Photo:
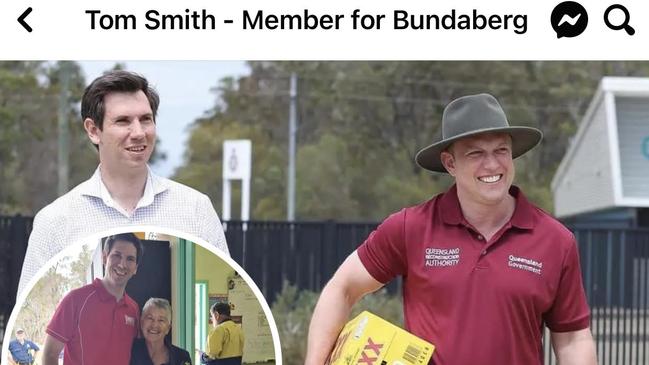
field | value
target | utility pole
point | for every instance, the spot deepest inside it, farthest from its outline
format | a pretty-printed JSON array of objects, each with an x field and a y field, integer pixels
[
  {"x": 292, "y": 131},
  {"x": 63, "y": 133}
]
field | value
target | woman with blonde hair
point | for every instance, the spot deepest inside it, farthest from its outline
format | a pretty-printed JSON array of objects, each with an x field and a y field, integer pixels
[{"x": 154, "y": 348}]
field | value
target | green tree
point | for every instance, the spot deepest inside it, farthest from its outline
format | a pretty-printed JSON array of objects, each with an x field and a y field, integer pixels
[
  {"x": 41, "y": 303},
  {"x": 66, "y": 274},
  {"x": 29, "y": 93},
  {"x": 361, "y": 123},
  {"x": 205, "y": 156},
  {"x": 29, "y": 101},
  {"x": 293, "y": 309}
]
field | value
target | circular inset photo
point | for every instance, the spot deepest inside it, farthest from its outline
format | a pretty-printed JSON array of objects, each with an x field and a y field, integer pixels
[{"x": 144, "y": 296}]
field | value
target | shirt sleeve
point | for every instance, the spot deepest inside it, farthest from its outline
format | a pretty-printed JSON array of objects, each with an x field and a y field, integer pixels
[
  {"x": 569, "y": 311},
  {"x": 12, "y": 349},
  {"x": 35, "y": 346},
  {"x": 35, "y": 257},
  {"x": 211, "y": 227},
  {"x": 64, "y": 321},
  {"x": 383, "y": 253}
]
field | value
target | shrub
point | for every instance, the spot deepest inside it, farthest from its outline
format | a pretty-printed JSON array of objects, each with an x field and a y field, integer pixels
[{"x": 293, "y": 309}]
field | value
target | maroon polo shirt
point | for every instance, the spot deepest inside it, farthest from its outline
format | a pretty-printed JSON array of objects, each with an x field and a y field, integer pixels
[
  {"x": 95, "y": 327},
  {"x": 480, "y": 302}
]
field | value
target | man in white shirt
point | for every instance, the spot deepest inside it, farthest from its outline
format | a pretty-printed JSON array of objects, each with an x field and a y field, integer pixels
[{"x": 118, "y": 111}]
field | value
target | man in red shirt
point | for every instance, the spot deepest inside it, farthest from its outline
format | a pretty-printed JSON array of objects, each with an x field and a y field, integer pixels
[
  {"x": 484, "y": 270},
  {"x": 98, "y": 322}
]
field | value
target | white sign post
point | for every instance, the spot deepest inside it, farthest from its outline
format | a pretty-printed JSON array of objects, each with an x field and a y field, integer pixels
[{"x": 237, "y": 165}]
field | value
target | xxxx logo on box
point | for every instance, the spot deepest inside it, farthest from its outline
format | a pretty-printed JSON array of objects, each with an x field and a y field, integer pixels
[
  {"x": 370, "y": 353},
  {"x": 370, "y": 340}
]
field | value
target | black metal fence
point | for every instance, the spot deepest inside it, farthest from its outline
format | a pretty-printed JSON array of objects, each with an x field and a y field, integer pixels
[
  {"x": 304, "y": 254},
  {"x": 14, "y": 232},
  {"x": 615, "y": 268}
]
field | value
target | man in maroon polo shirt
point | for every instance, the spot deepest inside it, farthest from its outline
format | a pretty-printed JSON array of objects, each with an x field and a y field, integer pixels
[
  {"x": 98, "y": 322},
  {"x": 483, "y": 269}
]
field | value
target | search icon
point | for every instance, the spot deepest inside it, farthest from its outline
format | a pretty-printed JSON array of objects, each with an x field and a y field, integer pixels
[{"x": 625, "y": 23}]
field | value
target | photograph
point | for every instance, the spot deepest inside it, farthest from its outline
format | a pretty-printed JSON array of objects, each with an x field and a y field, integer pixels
[
  {"x": 447, "y": 209},
  {"x": 141, "y": 298}
]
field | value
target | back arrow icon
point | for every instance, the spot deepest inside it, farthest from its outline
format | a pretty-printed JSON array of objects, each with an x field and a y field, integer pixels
[{"x": 21, "y": 19}]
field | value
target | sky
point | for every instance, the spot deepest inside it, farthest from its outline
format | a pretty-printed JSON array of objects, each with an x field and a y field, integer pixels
[{"x": 184, "y": 88}]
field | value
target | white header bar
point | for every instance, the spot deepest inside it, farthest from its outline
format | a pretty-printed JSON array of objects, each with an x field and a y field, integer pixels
[{"x": 332, "y": 30}]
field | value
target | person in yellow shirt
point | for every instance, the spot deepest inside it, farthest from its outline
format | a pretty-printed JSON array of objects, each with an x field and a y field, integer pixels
[{"x": 225, "y": 341}]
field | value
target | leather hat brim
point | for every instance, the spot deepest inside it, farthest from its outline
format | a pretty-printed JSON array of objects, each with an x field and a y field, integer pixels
[{"x": 523, "y": 140}]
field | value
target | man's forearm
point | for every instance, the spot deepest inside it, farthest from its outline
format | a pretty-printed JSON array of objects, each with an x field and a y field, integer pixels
[
  {"x": 575, "y": 348},
  {"x": 348, "y": 285},
  {"x": 49, "y": 359},
  {"x": 51, "y": 350},
  {"x": 329, "y": 317},
  {"x": 582, "y": 354}
]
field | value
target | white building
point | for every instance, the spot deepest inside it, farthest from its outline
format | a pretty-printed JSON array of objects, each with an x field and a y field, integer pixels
[{"x": 604, "y": 176}]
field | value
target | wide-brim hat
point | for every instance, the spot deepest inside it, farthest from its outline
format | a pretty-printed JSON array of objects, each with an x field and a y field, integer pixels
[{"x": 471, "y": 115}]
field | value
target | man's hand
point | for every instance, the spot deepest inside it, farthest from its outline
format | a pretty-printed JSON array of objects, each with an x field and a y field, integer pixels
[
  {"x": 34, "y": 355},
  {"x": 51, "y": 350},
  {"x": 348, "y": 285},
  {"x": 574, "y": 348}
]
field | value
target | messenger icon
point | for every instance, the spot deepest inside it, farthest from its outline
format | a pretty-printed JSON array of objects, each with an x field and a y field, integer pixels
[{"x": 569, "y": 19}]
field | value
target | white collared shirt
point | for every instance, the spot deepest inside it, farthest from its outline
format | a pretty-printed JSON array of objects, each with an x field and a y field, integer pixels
[
  {"x": 147, "y": 197},
  {"x": 89, "y": 208}
]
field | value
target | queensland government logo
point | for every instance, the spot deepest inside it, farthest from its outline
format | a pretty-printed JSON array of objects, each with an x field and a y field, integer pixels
[{"x": 522, "y": 263}]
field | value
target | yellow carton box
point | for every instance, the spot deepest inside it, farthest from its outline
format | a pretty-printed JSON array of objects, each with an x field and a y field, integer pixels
[{"x": 371, "y": 340}]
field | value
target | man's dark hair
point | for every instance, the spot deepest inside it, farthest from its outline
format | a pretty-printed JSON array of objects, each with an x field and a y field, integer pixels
[
  {"x": 222, "y": 308},
  {"x": 92, "y": 102},
  {"x": 126, "y": 237}
]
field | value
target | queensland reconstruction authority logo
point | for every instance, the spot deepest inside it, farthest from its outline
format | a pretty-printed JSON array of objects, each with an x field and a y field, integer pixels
[{"x": 442, "y": 257}]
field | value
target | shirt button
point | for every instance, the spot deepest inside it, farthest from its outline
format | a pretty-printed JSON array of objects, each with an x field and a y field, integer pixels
[
  {"x": 484, "y": 252},
  {"x": 480, "y": 238}
]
